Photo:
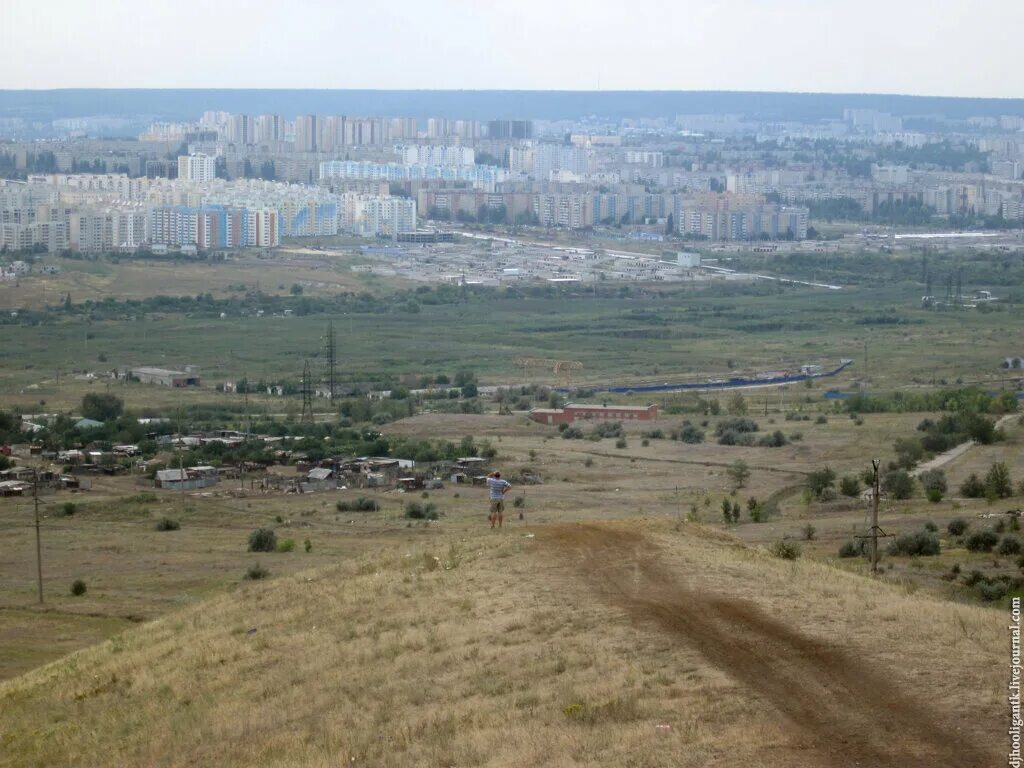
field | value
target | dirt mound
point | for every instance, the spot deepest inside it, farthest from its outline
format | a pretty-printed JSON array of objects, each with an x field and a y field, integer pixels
[{"x": 844, "y": 711}]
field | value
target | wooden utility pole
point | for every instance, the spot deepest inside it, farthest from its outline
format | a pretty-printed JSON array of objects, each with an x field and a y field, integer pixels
[
  {"x": 874, "y": 516},
  {"x": 39, "y": 545}
]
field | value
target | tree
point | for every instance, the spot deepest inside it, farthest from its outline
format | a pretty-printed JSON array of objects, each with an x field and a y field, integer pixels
[
  {"x": 739, "y": 473},
  {"x": 898, "y": 484},
  {"x": 737, "y": 405},
  {"x": 670, "y": 225},
  {"x": 934, "y": 483},
  {"x": 102, "y": 407},
  {"x": 821, "y": 480},
  {"x": 262, "y": 540},
  {"x": 849, "y": 486},
  {"x": 727, "y": 510},
  {"x": 997, "y": 481},
  {"x": 972, "y": 487}
]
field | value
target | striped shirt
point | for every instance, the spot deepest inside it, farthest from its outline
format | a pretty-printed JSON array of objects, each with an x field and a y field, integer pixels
[{"x": 496, "y": 487}]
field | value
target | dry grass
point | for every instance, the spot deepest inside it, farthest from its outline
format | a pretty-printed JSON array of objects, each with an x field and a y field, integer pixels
[{"x": 494, "y": 653}]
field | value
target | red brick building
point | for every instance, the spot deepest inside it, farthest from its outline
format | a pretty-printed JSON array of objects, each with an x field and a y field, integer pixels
[{"x": 581, "y": 411}]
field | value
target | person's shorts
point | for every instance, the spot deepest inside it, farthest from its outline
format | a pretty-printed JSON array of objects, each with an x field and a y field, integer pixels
[{"x": 497, "y": 507}]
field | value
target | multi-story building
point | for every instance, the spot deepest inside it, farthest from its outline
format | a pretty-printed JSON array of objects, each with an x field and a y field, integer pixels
[
  {"x": 372, "y": 216},
  {"x": 269, "y": 128},
  {"x": 306, "y": 133},
  {"x": 430, "y": 154},
  {"x": 548, "y": 158},
  {"x": 510, "y": 129},
  {"x": 197, "y": 167}
]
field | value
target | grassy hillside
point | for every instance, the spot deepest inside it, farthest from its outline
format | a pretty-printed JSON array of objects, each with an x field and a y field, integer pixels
[{"x": 648, "y": 643}]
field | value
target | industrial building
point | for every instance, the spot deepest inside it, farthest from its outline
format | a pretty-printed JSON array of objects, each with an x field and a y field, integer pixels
[
  {"x": 574, "y": 411},
  {"x": 165, "y": 377}
]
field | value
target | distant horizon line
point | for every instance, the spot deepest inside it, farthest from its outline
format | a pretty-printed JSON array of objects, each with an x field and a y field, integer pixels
[{"x": 207, "y": 89}]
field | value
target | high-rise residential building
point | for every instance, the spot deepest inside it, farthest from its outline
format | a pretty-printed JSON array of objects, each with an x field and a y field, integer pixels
[
  {"x": 241, "y": 129},
  {"x": 404, "y": 128},
  {"x": 269, "y": 128},
  {"x": 510, "y": 129},
  {"x": 196, "y": 167},
  {"x": 306, "y": 133},
  {"x": 558, "y": 157}
]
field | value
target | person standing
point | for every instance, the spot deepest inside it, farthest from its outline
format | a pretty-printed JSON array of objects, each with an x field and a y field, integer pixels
[{"x": 496, "y": 490}]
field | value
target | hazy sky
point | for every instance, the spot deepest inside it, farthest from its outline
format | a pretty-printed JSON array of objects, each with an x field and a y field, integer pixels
[{"x": 884, "y": 46}]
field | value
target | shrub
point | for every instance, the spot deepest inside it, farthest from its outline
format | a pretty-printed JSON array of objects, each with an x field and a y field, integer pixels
[
  {"x": 1010, "y": 545},
  {"x": 77, "y": 587},
  {"x": 607, "y": 429},
  {"x": 931, "y": 527},
  {"x": 588, "y": 462},
  {"x": 821, "y": 420},
  {"x": 654, "y": 434},
  {"x": 736, "y": 425},
  {"x": 286, "y": 545},
  {"x": 620, "y": 443},
  {"x": 775, "y": 440},
  {"x": 519, "y": 501},
  {"x": 990, "y": 591},
  {"x": 572, "y": 433},
  {"x": 920, "y": 543},
  {"x": 898, "y": 484},
  {"x": 167, "y": 524},
  {"x": 732, "y": 437},
  {"x": 308, "y": 545},
  {"x": 256, "y": 572},
  {"x": 262, "y": 540},
  {"x": 362, "y": 504},
  {"x": 972, "y": 487},
  {"x": 934, "y": 483},
  {"x": 849, "y": 486},
  {"x": 68, "y": 508},
  {"x": 852, "y": 548},
  {"x": 691, "y": 434},
  {"x": 808, "y": 532},
  {"x": 757, "y": 511},
  {"x": 819, "y": 480},
  {"x": 786, "y": 550},
  {"x": 417, "y": 511},
  {"x": 982, "y": 541},
  {"x": 957, "y": 526}
]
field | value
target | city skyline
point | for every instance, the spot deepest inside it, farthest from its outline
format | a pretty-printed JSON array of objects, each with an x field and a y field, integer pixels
[{"x": 873, "y": 48}]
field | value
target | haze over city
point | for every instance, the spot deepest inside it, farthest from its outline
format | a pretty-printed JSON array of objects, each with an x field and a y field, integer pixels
[{"x": 742, "y": 45}]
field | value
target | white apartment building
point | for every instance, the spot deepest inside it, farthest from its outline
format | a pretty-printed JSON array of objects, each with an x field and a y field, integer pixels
[
  {"x": 558, "y": 157},
  {"x": 370, "y": 215},
  {"x": 432, "y": 154},
  {"x": 196, "y": 167}
]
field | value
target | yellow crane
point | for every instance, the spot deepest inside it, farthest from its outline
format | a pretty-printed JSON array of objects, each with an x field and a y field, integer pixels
[{"x": 561, "y": 369}]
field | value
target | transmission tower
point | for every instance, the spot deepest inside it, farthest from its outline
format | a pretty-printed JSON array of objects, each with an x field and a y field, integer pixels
[
  {"x": 331, "y": 352},
  {"x": 307, "y": 395}
]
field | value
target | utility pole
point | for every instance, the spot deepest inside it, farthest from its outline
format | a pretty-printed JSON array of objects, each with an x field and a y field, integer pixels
[
  {"x": 332, "y": 362},
  {"x": 874, "y": 516},
  {"x": 39, "y": 545},
  {"x": 307, "y": 395}
]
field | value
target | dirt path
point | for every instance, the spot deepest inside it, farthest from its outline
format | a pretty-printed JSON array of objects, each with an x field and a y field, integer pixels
[
  {"x": 957, "y": 450},
  {"x": 844, "y": 711}
]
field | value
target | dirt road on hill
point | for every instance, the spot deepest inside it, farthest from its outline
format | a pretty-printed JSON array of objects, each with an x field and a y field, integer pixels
[{"x": 844, "y": 711}]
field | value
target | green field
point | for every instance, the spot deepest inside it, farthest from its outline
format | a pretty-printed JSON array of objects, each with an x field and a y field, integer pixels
[{"x": 668, "y": 333}]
